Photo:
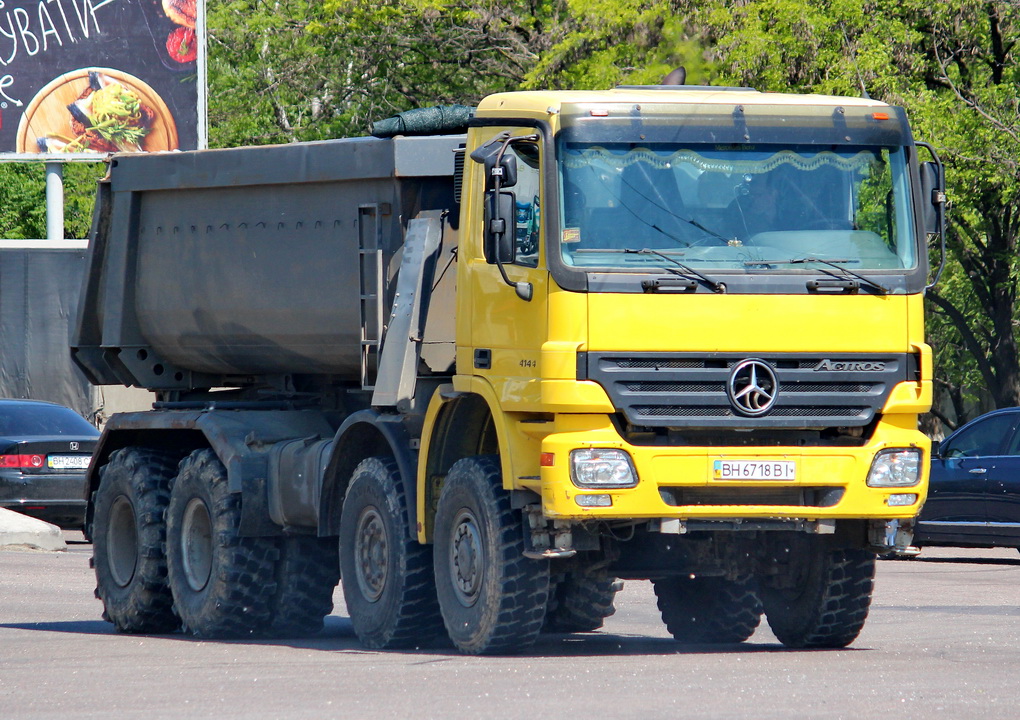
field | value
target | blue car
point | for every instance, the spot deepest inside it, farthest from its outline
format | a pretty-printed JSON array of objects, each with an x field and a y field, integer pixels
[
  {"x": 45, "y": 450},
  {"x": 974, "y": 496}
]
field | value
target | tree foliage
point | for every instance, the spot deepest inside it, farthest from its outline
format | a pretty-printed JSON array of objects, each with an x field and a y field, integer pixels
[
  {"x": 23, "y": 199},
  {"x": 299, "y": 69}
]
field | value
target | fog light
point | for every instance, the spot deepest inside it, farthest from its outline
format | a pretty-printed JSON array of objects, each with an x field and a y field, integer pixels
[
  {"x": 896, "y": 468},
  {"x": 601, "y": 468},
  {"x": 594, "y": 500},
  {"x": 900, "y": 499}
]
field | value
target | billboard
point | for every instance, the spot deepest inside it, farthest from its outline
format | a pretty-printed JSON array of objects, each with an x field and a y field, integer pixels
[{"x": 99, "y": 76}]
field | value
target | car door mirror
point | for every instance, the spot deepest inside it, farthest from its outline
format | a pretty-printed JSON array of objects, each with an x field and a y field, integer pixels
[{"x": 936, "y": 448}]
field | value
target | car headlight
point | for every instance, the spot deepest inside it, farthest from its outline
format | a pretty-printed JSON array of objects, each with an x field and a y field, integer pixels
[
  {"x": 896, "y": 468},
  {"x": 602, "y": 468}
]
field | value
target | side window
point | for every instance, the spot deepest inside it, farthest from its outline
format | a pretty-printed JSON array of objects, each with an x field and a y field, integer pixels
[
  {"x": 1013, "y": 447},
  {"x": 527, "y": 210},
  {"x": 981, "y": 439}
]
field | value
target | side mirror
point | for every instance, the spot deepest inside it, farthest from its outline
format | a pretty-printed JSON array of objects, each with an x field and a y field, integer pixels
[
  {"x": 506, "y": 171},
  {"x": 936, "y": 447},
  {"x": 488, "y": 154},
  {"x": 931, "y": 196},
  {"x": 499, "y": 227}
]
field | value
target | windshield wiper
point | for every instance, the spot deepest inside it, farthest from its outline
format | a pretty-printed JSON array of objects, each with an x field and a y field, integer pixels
[
  {"x": 847, "y": 272},
  {"x": 685, "y": 271}
]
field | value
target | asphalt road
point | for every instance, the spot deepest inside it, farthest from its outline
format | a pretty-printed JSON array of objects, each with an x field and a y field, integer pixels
[{"x": 942, "y": 641}]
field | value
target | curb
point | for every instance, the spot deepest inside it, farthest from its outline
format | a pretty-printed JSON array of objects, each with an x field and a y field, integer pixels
[{"x": 23, "y": 531}]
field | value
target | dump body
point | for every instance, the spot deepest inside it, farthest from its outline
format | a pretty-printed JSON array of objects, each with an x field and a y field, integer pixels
[{"x": 223, "y": 267}]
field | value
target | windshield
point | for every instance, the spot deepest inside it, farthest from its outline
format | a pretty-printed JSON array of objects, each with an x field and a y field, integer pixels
[{"x": 745, "y": 208}]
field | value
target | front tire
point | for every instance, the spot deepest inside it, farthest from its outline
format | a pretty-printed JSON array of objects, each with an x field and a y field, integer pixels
[
  {"x": 493, "y": 599},
  {"x": 387, "y": 576},
  {"x": 827, "y": 604},
  {"x": 129, "y": 537},
  {"x": 708, "y": 609},
  {"x": 223, "y": 584}
]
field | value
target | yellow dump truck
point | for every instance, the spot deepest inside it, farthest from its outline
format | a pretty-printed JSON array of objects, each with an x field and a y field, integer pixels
[{"x": 663, "y": 333}]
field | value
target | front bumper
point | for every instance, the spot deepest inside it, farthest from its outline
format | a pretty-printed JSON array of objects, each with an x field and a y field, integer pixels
[
  {"x": 57, "y": 498},
  {"x": 677, "y": 482}
]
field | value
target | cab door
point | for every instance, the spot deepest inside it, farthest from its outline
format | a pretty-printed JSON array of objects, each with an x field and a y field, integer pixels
[{"x": 507, "y": 332}]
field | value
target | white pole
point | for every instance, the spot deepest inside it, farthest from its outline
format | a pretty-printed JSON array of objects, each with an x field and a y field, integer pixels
[{"x": 54, "y": 201}]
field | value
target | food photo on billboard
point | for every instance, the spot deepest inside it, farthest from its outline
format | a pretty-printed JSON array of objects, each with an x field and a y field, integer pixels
[{"x": 101, "y": 76}]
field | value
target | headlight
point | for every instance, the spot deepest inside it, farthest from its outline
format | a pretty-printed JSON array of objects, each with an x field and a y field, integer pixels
[
  {"x": 895, "y": 468},
  {"x": 601, "y": 468}
]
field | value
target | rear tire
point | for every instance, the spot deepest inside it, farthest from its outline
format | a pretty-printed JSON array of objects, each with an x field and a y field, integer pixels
[
  {"x": 306, "y": 575},
  {"x": 387, "y": 576},
  {"x": 129, "y": 539},
  {"x": 708, "y": 609},
  {"x": 580, "y": 600},
  {"x": 223, "y": 584},
  {"x": 493, "y": 599},
  {"x": 827, "y": 605}
]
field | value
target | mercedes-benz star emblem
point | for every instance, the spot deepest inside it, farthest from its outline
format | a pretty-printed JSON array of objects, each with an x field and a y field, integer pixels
[{"x": 752, "y": 387}]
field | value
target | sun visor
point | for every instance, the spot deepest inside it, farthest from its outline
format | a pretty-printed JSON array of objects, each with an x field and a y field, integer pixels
[{"x": 736, "y": 124}]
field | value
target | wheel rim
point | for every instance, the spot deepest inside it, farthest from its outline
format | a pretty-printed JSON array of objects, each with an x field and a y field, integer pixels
[
  {"x": 122, "y": 541},
  {"x": 196, "y": 544},
  {"x": 466, "y": 568},
  {"x": 371, "y": 552}
]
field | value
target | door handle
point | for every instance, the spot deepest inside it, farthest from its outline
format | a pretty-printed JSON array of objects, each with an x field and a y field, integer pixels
[{"x": 977, "y": 471}]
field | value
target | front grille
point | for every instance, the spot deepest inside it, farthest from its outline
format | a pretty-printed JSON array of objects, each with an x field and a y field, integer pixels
[
  {"x": 653, "y": 411},
  {"x": 687, "y": 390},
  {"x": 752, "y": 496},
  {"x": 720, "y": 387}
]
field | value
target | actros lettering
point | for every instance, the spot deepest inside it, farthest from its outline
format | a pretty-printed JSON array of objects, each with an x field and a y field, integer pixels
[{"x": 850, "y": 366}]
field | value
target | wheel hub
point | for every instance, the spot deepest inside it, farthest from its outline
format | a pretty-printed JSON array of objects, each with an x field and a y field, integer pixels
[
  {"x": 196, "y": 544},
  {"x": 122, "y": 541},
  {"x": 466, "y": 566},
  {"x": 371, "y": 552}
]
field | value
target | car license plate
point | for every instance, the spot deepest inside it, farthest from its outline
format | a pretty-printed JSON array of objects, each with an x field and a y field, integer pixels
[
  {"x": 754, "y": 470},
  {"x": 68, "y": 462}
]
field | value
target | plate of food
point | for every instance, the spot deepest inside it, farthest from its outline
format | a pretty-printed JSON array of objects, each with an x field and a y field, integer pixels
[{"x": 96, "y": 110}]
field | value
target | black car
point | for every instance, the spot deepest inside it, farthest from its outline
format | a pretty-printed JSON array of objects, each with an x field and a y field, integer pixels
[
  {"x": 974, "y": 495},
  {"x": 45, "y": 450}
]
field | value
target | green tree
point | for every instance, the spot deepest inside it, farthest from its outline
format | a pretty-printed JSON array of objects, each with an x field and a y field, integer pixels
[
  {"x": 23, "y": 199},
  {"x": 604, "y": 43},
  {"x": 302, "y": 70},
  {"x": 299, "y": 70}
]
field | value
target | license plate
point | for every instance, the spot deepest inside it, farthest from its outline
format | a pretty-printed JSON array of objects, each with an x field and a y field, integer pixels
[
  {"x": 754, "y": 470},
  {"x": 68, "y": 462}
]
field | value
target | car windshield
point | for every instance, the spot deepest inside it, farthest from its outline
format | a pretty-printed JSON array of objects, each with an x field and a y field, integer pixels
[
  {"x": 33, "y": 420},
  {"x": 747, "y": 208}
]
